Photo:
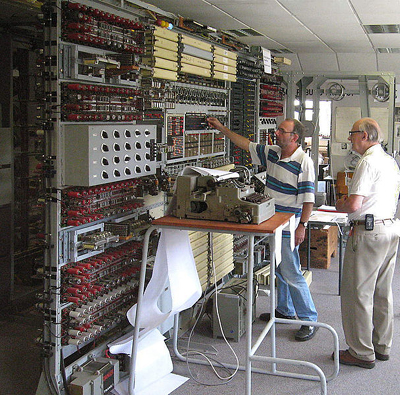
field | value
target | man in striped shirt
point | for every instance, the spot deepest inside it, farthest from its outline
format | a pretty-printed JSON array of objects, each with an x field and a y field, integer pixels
[{"x": 290, "y": 180}]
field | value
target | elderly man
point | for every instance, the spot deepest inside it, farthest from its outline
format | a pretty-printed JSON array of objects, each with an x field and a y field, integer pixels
[
  {"x": 366, "y": 296},
  {"x": 290, "y": 180}
]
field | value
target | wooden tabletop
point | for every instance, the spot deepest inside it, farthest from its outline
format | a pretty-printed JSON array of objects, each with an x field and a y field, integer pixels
[{"x": 268, "y": 226}]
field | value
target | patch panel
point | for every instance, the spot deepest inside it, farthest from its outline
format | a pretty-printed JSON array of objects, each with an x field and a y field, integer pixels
[
  {"x": 100, "y": 103},
  {"x": 95, "y": 28},
  {"x": 85, "y": 205},
  {"x": 99, "y": 154}
]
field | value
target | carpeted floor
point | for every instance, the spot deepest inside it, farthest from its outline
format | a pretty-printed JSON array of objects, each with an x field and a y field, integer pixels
[{"x": 383, "y": 379}]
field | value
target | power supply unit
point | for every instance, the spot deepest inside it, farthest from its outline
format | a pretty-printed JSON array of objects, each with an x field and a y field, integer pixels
[{"x": 232, "y": 309}]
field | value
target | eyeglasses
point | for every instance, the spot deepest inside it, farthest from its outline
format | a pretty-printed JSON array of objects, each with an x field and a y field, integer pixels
[
  {"x": 354, "y": 131},
  {"x": 280, "y": 130}
]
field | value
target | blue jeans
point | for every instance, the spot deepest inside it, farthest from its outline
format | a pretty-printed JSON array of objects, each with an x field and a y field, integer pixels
[{"x": 294, "y": 296}]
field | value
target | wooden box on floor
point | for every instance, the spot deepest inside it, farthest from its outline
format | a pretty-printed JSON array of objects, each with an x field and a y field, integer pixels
[{"x": 324, "y": 245}]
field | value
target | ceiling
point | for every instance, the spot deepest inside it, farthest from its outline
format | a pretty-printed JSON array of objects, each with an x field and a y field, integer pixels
[{"x": 316, "y": 35}]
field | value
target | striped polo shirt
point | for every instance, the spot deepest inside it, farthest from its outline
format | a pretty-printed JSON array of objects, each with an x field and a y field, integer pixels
[{"x": 290, "y": 181}]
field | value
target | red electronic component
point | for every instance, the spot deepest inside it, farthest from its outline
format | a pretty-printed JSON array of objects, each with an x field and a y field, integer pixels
[
  {"x": 73, "y": 291},
  {"x": 74, "y": 222},
  {"x": 82, "y": 287},
  {"x": 86, "y": 265},
  {"x": 73, "y": 270},
  {"x": 73, "y": 299}
]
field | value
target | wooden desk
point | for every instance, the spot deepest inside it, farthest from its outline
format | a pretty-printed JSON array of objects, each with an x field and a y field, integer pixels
[
  {"x": 273, "y": 228},
  {"x": 267, "y": 227}
]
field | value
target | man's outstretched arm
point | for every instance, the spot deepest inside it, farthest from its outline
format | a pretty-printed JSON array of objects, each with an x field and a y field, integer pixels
[{"x": 237, "y": 139}]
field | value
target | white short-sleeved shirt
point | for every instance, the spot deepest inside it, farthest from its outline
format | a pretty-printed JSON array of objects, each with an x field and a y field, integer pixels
[
  {"x": 377, "y": 178},
  {"x": 290, "y": 181}
]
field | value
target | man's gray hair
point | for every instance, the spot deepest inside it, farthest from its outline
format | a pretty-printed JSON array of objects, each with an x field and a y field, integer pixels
[
  {"x": 372, "y": 128},
  {"x": 298, "y": 128}
]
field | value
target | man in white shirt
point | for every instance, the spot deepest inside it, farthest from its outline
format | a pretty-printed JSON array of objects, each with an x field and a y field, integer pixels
[
  {"x": 366, "y": 294},
  {"x": 290, "y": 180}
]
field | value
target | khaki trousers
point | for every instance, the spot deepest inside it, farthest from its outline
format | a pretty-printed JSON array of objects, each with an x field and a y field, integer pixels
[{"x": 366, "y": 293}]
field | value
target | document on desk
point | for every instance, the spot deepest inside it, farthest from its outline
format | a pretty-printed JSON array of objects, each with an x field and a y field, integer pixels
[{"x": 328, "y": 214}]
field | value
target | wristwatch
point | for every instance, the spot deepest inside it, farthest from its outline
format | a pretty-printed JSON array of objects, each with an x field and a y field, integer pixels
[{"x": 305, "y": 224}]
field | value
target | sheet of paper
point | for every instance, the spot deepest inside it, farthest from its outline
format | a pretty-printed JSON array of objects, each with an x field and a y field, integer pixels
[
  {"x": 327, "y": 208},
  {"x": 153, "y": 360},
  {"x": 164, "y": 386},
  {"x": 153, "y": 369},
  {"x": 219, "y": 174},
  {"x": 324, "y": 216}
]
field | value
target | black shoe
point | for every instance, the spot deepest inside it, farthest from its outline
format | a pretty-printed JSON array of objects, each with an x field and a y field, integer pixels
[
  {"x": 267, "y": 316},
  {"x": 305, "y": 333},
  {"x": 381, "y": 357}
]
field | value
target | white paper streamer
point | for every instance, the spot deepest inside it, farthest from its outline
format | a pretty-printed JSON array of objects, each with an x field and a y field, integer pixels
[
  {"x": 278, "y": 245},
  {"x": 164, "y": 386},
  {"x": 174, "y": 262},
  {"x": 292, "y": 227}
]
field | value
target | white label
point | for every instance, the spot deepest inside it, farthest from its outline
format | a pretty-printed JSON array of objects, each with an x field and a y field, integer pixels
[{"x": 267, "y": 61}]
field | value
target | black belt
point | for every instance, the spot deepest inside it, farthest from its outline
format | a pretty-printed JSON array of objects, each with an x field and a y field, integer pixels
[{"x": 362, "y": 222}]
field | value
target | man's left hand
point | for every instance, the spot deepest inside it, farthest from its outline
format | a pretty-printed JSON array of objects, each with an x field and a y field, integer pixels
[{"x": 299, "y": 235}]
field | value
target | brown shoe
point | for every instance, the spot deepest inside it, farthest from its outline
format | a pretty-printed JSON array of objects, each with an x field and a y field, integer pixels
[{"x": 345, "y": 358}]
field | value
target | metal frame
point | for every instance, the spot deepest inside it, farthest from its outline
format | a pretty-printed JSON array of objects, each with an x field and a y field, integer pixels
[
  {"x": 317, "y": 225},
  {"x": 302, "y": 81},
  {"x": 273, "y": 238}
]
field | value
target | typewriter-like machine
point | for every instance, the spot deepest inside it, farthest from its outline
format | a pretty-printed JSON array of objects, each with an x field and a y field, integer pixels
[{"x": 223, "y": 198}]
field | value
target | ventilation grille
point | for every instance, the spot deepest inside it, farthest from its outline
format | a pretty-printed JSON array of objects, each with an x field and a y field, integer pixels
[
  {"x": 283, "y": 50},
  {"x": 244, "y": 33},
  {"x": 388, "y": 50},
  {"x": 377, "y": 29}
]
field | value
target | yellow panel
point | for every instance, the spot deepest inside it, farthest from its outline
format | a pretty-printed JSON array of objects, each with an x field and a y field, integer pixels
[
  {"x": 159, "y": 42},
  {"x": 162, "y": 53},
  {"x": 165, "y": 33},
  {"x": 161, "y": 73},
  {"x": 199, "y": 250},
  {"x": 196, "y": 242},
  {"x": 223, "y": 254},
  {"x": 161, "y": 63},
  {"x": 224, "y": 68},
  {"x": 225, "y": 52},
  {"x": 195, "y": 61},
  {"x": 224, "y": 60},
  {"x": 221, "y": 242},
  {"x": 186, "y": 68},
  {"x": 224, "y": 76},
  {"x": 195, "y": 43},
  {"x": 226, "y": 259}
]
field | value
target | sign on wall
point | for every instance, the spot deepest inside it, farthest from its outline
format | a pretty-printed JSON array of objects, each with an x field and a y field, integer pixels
[{"x": 346, "y": 116}]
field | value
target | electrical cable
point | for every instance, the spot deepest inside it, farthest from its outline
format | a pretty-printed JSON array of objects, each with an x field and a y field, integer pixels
[{"x": 210, "y": 360}]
